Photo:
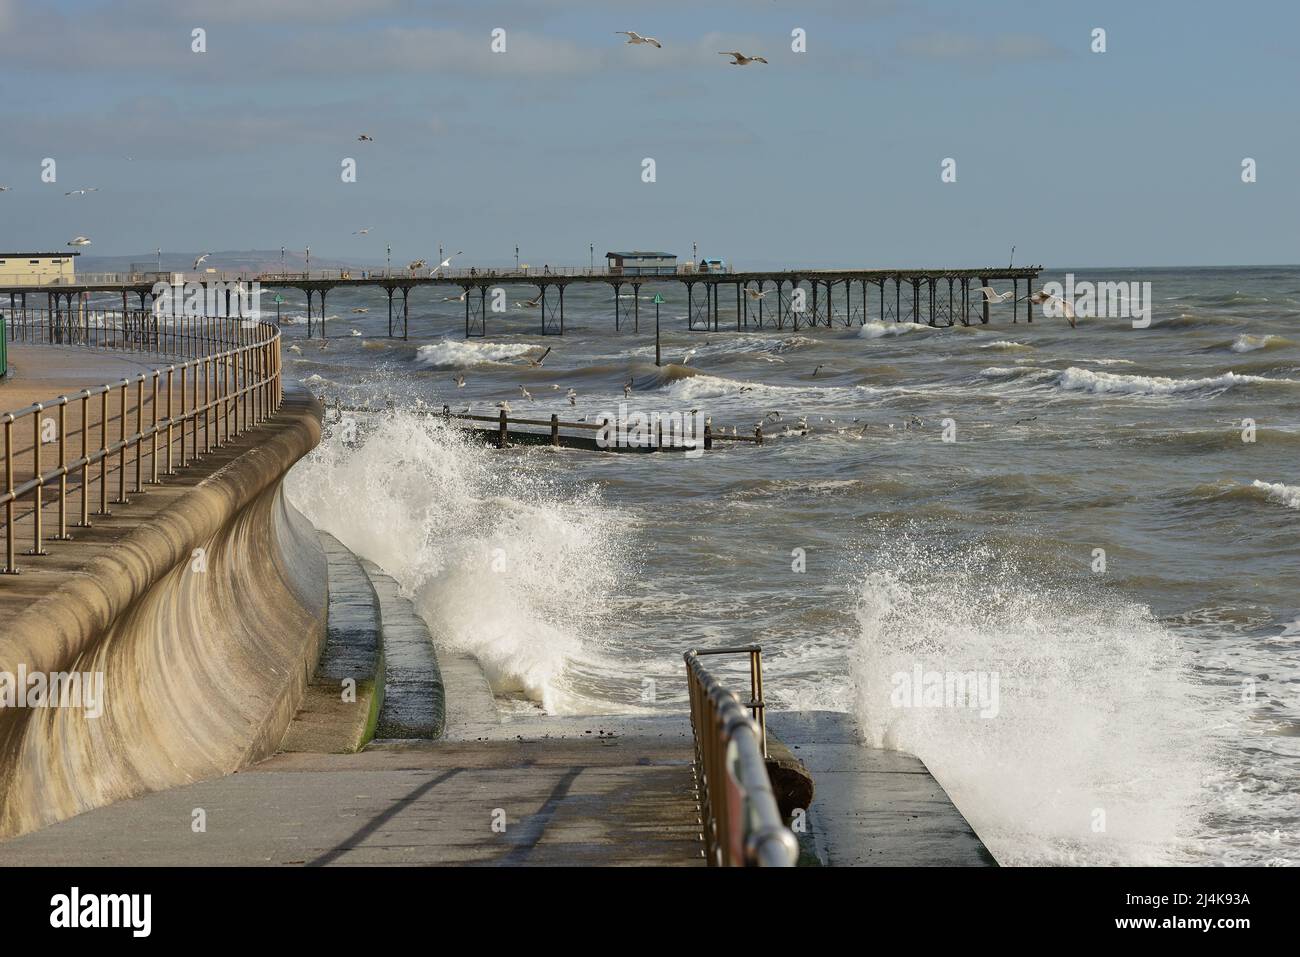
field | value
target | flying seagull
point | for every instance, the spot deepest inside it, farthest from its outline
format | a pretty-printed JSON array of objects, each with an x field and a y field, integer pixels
[
  {"x": 365, "y": 138},
  {"x": 460, "y": 381},
  {"x": 460, "y": 298},
  {"x": 634, "y": 37},
  {"x": 79, "y": 241},
  {"x": 687, "y": 358},
  {"x": 5, "y": 189},
  {"x": 365, "y": 230},
  {"x": 526, "y": 394},
  {"x": 198, "y": 262},
  {"x": 627, "y": 388},
  {"x": 530, "y": 304},
  {"x": 540, "y": 359},
  {"x": 740, "y": 59},
  {"x": 446, "y": 262},
  {"x": 755, "y": 294},
  {"x": 992, "y": 295},
  {"x": 82, "y": 191},
  {"x": 1043, "y": 296},
  {"x": 417, "y": 264}
]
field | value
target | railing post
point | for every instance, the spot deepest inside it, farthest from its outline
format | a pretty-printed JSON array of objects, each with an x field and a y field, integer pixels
[
  {"x": 504, "y": 432},
  {"x": 11, "y": 566},
  {"x": 103, "y": 453},
  {"x": 63, "y": 535},
  {"x": 85, "y": 462},
  {"x": 121, "y": 451},
  {"x": 37, "y": 497}
]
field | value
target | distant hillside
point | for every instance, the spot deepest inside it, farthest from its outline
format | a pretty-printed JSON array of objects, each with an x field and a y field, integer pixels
[{"x": 262, "y": 260}]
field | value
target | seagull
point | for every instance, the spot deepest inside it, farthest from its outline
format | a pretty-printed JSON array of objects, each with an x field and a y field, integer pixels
[
  {"x": 365, "y": 231},
  {"x": 1043, "y": 296},
  {"x": 198, "y": 262},
  {"x": 361, "y": 309},
  {"x": 460, "y": 381},
  {"x": 460, "y": 298},
  {"x": 627, "y": 388},
  {"x": 365, "y": 138},
  {"x": 530, "y": 304},
  {"x": 296, "y": 349},
  {"x": 79, "y": 241},
  {"x": 740, "y": 58},
  {"x": 540, "y": 359},
  {"x": 526, "y": 394},
  {"x": 687, "y": 358},
  {"x": 992, "y": 295},
  {"x": 503, "y": 406},
  {"x": 446, "y": 262},
  {"x": 634, "y": 37},
  {"x": 417, "y": 264},
  {"x": 356, "y": 332},
  {"x": 573, "y": 397},
  {"x": 755, "y": 294},
  {"x": 82, "y": 191},
  {"x": 5, "y": 189},
  {"x": 555, "y": 387},
  {"x": 817, "y": 370}
]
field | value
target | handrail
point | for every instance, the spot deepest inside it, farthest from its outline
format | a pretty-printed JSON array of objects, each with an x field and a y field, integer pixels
[
  {"x": 232, "y": 371},
  {"x": 738, "y": 809}
]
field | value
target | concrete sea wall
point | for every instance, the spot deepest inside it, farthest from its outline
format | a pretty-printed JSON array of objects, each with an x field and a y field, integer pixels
[{"x": 205, "y": 656}]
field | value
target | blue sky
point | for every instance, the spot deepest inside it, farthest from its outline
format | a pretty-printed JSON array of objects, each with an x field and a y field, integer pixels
[{"x": 1129, "y": 157}]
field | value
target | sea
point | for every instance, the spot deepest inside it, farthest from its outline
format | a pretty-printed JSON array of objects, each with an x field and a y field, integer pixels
[{"x": 1102, "y": 522}]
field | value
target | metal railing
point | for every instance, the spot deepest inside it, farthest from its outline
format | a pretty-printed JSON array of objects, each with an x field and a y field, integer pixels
[
  {"x": 174, "y": 414},
  {"x": 738, "y": 809}
]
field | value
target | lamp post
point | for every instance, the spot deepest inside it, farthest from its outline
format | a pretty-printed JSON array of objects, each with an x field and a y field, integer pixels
[
  {"x": 388, "y": 263},
  {"x": 160, "y": 259},
  {"x": 282, "y": 260},
  {"x": 516, "y": 257},
  {"x": 592, "y": 248},
  {"x": 307, "y": 264}
]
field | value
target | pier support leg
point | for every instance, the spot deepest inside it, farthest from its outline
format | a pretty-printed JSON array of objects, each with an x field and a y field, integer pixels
[
  {"x": 406, "y": 311},
  {"x": 737, "y": 307},
  {"x": 390, "y": 313},
  {"x": 951, "y": 320},
  {"x": 1015, "y": 300},
  {"x": 984, "y": 315},
  {"x": 322, "y": 314},
  {"x": 616, "y": 288},
  {"x": 636, "y": 307},
  {"x": 898, "y": 302}
]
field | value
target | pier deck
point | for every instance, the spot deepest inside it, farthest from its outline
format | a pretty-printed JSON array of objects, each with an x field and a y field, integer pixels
[{"x": 794, "y": 298}]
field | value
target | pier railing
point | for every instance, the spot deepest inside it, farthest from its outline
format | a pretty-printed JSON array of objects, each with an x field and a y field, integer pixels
[
  {"x": 152, "y": 423},
  {"x": 738, "y": 809}
]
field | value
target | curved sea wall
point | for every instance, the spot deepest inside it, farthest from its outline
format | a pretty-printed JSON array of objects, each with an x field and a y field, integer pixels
[{"x": 204, "y": 656}]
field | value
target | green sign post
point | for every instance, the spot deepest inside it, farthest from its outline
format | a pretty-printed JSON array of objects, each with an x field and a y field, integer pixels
[{"x": 658, "y": 299}]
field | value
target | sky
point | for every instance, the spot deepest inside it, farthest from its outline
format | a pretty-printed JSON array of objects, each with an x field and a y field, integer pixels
[{"x": 832, "y": 156}]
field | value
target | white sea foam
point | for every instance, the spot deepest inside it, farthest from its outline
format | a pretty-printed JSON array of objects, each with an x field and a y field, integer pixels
[
  {"x": 1288, "y": 495},
  {"x": 501, "y": 563},
  {"x": 1006, "y": 344},
  {"x": 878, "y": 330},
  {"x": 1098, "y": 748},
  {"x": 454, "y": 354},
  {"x": 1249, "y": 343},
  {"x": 1086, "y": 380}
]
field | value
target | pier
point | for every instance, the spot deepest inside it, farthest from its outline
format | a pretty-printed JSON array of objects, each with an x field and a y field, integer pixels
[{"x": 762, "y": 299}]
